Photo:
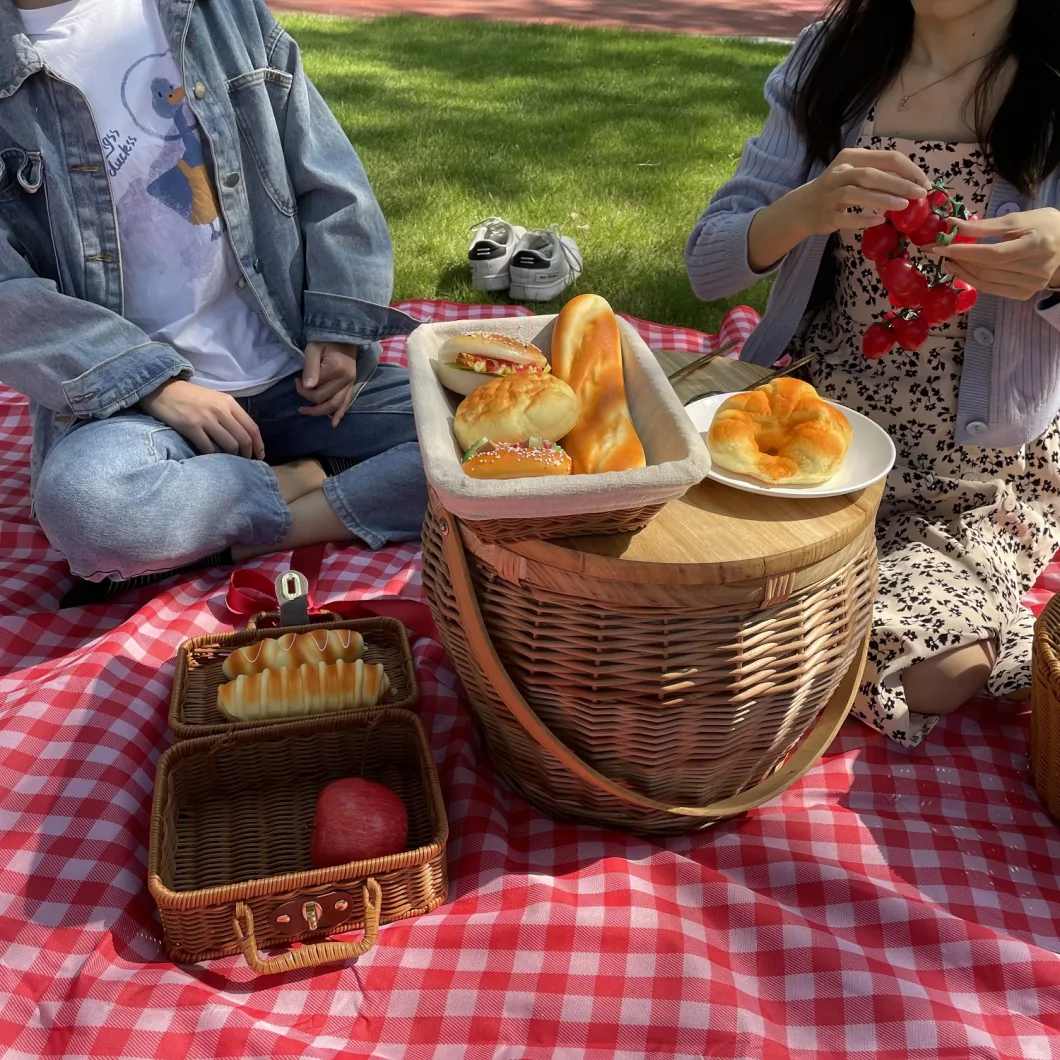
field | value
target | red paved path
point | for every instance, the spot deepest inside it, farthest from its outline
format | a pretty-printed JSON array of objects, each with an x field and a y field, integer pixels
[{"x": 756, "y": 18}]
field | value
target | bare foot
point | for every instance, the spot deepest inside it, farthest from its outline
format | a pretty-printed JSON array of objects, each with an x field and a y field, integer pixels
[
  {"x": 313, "y": 521},
  {"x": 298, "y": 478},
  {"x": 944, "y": 683}
]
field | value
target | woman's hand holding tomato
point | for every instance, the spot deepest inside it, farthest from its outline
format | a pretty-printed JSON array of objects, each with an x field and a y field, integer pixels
[
  {"x": 1021, "y": 265},
  {"x": 873, "y": 182}
]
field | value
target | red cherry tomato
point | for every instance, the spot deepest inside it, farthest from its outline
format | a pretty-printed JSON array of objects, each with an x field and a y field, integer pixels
[
  {"x": 912, "y": 217},
  {"x": 928, "y": 232},
  {"x": 880, "y": 241},
  {"x": 899, "y": 275},
  {"x": 913, "y": 296},
  {"x": 916, "y": 296},
  {"x": 967, "y": 296},
  {"x": 940, "y": 303},
  {"x": 911, "y": 333},
  {"x": 940, "y": 200},
  {"x": 878, "y": 341}
]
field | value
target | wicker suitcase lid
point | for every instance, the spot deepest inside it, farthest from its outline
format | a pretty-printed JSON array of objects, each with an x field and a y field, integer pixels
[{"x": 715, "y": 535}]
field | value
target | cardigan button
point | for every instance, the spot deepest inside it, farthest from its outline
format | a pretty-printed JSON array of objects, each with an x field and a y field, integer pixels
[
  {"x": 984, "y": 336},
  {"x": 976, "y": 427},
  {"x": 1008, "y": 207}
]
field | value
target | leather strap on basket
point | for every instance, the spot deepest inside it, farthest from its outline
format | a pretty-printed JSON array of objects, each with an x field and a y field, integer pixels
[
  {"x": 316, "y": 953},
  {"x": 805, "y": 757}
]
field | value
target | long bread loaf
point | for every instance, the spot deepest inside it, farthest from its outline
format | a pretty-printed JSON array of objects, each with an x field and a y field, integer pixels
[
  {"x": 311, "y": 689},
  {"x": 293, "y": 649},
  {"x": 587, "y": 355}
]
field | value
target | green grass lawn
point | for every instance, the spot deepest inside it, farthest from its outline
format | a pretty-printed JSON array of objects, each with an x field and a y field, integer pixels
[{"x": 621, "y": 137}]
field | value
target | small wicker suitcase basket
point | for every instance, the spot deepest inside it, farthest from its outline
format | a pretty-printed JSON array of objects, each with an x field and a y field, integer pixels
[
  {"x": 229, "y": 864},
  {"x": 193, "y": 705}
]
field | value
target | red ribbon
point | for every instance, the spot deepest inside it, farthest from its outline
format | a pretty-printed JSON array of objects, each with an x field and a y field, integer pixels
[{"x": 251, "y": 591}]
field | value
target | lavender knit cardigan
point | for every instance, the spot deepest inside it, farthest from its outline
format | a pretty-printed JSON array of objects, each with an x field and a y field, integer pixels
[{"x": 1010, "y": 383}]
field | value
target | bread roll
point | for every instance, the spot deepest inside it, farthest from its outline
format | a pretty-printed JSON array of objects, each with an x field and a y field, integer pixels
[
  {"x": 782, "y": 434},
  {"x": 587, "y": 354},
  {"x": 503, "y": 460},
  {"x": 516, "y": 408},
  {"x": 311, "y": 689},
  {"x": 292, "y": 649},
  {"x": 466, "y": 362}
]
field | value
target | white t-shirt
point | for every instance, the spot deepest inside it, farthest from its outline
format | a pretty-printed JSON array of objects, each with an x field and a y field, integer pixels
[{"x": 179, "y": 273}]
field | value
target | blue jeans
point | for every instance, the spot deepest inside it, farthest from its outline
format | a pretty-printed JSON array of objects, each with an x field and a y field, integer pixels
[{"x": 128, "y": 495}]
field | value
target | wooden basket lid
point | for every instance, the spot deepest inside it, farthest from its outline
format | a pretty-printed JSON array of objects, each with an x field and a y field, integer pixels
[{"x": 716, "y": 535}]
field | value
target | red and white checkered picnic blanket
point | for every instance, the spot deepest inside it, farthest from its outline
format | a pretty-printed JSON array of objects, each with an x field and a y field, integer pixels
[{"x": 890, "y": 906}]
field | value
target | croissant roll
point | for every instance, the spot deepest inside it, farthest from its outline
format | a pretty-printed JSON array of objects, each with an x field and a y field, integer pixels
[
  {"x": 311, "y": 689},
  {"x": 293, "y": 650}
]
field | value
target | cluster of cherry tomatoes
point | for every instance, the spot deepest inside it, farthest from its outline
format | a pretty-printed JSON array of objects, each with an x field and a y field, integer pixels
[{"x": 921, "y": 299}]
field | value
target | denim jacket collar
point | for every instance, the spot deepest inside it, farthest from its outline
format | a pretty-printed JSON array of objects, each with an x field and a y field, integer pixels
[{"x": 18, "y": 57}]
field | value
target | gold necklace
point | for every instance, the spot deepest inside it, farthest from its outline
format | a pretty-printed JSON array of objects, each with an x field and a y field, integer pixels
[{"x": 903, "y": 105}]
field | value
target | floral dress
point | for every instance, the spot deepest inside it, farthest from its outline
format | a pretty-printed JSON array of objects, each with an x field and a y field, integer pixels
[{"x": 963, "y": 531}]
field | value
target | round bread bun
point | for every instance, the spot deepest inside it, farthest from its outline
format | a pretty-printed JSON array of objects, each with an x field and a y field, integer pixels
[
  {"x": 782, "y": 434},
  {"x": 517, "y": 407},
  {"x": 506, "y": 460},
  {"x": 482, "y": 345}
]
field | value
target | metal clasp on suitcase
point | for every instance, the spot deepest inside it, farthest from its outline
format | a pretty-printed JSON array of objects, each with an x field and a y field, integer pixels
[
  {"x": 315, "y": 914},
  {"x": 292, "y": 594}
]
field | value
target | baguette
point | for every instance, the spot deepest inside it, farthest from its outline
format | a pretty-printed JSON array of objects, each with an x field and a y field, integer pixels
[
  {"x": 311, "y": 689},
  {"x": 587, "y": 355},
  {"x": 293, "y": 649}
]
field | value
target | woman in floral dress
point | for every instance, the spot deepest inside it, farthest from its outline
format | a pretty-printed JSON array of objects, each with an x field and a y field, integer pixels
[{"x": 877, "y": 102}]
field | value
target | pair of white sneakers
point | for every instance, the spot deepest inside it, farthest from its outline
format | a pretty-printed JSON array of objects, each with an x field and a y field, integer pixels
[{"x": 532, "y": 266}]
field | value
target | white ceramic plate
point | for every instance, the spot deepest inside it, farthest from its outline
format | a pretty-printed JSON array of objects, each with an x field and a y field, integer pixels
[{"x": 870, "y": 458}]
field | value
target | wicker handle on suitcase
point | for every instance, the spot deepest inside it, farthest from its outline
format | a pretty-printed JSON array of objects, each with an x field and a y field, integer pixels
[
  {"x": 318, "y": 952},
  {"x": 808, "y": 754}
]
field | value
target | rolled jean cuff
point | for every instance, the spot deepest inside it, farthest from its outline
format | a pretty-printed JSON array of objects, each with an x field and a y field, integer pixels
[
  {"x": 333, "y": 493},
  {"x": 273, "y": 523}
]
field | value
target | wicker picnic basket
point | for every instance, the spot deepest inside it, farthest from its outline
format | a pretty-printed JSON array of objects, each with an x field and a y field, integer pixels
[
  {"x": 661, "y": 697},
  {"x": 231, "y": 824},
  {"x": 193, "y": 705},
  {"x": 1045, "y": 707}
]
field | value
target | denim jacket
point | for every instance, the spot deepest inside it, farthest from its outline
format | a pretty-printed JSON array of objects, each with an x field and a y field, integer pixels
[{"x": 305, "y": 227}]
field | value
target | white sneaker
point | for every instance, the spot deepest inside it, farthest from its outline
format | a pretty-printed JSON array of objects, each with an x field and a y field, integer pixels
[
  {"x": 491, "y": 252},
  {"x": 545, "y": 263}
]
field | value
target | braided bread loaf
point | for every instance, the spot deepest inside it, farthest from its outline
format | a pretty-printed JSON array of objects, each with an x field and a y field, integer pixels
[
  {"x": 311, "y": 689},
  {"x": 293, "y": 649}
]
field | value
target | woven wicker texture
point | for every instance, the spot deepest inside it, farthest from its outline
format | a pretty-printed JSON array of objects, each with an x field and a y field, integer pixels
[
  {"x": 687, "y": 703},
  {"x": 621, "y": 522},
  {"x": 193, "y": 705},
  {"x": 1045, "y": 708},
  {"x": 233, "y": 815}
]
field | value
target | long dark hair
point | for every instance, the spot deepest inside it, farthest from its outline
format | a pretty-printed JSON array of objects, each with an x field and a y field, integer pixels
[{"x": 862, "y": 49}]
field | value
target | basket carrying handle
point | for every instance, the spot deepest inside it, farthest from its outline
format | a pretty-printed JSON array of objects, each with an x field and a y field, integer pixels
[
  {"x": 805, "y": 758},
  {"x": 319, "y": 952}
]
